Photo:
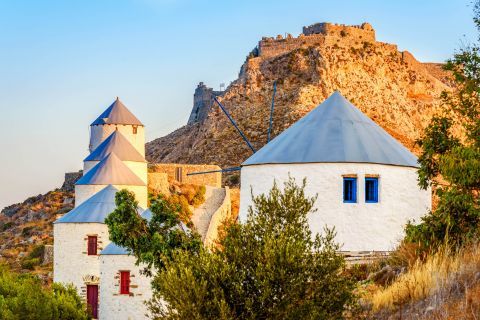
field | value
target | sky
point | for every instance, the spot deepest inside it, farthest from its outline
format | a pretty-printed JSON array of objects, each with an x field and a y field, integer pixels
[{"x": 63, "y": 62}]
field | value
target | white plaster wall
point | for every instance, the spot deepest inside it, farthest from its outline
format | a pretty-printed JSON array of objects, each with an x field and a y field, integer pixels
[
  {"x": 114, "y": 305},
  {"x": 83, "y": 192},
  {"x": 70, "y": 260},
  {"x": 98, "y": 133},
  {"x": 360, "y": 226},
  {"x": 139, "y": 168}
]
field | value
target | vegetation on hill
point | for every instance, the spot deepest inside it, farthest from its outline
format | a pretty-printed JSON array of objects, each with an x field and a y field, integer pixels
[
  {"x": 25, "y": 229},
  {"x": 22, "y": 297},
  {"x": 268, "y": 268}
]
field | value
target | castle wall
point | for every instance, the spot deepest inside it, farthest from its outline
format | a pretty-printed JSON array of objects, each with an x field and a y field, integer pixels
[
  {"x": 202, "y": 102},
  {"x": 83, "y": 192},
  {"x": 325, "y": 34},
  {"x": 71, "y": 262},
  {"x": 360, "y": 226},
  {"x": 114, "y": 305},
  {"x": 177, "y": 171},
  {"x": 98, "y": 133}
]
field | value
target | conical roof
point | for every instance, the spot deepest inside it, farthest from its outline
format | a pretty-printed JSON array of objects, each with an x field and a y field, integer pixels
[
  {"x": 111, "y": 170},
  {"x": 117, "y": 113},
  {"x": 335, "y": 131},
  {"x": 94, "y": 209},
  {"x": 118, "y": 144}
]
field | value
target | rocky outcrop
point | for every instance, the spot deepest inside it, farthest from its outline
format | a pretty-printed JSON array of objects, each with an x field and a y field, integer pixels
[{"x": 390, "y": 86}]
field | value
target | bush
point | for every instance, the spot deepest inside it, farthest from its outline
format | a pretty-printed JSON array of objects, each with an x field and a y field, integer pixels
[
  {"x": 37, "y": 252},
  {"x": 182, "y": 206},
  {"x": 30, "y": 264},
  {"x": 23, "y": 297},
  {"x": 268, "y": 268},
  {"x": 5, "y": 226},
  {"x": 199, "y": 197}
]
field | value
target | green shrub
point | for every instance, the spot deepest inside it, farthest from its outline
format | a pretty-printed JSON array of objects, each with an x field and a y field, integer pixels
[
  {"x": 199, "y": 196},
  {"x": 26, "y": 231},
  {"x": 37, "y": 252},
  {"x": 23, "y": 297},
  {"x": 30, "y": 264},
  {"x": 5, "y": 226}
]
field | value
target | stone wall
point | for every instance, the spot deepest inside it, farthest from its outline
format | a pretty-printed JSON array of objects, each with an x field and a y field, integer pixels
[
  {"x": 202, "y": 102},
  {"x": 219, "y": 216},
  {"x": 178, "y": 172},
  {"x": 70, "y": 179},
  {"x": 158, "y": 183},
  {"x": 327, "y": 34}
]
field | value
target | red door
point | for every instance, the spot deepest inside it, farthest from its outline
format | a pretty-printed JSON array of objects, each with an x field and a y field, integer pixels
[{"x": 92, "y": 299}]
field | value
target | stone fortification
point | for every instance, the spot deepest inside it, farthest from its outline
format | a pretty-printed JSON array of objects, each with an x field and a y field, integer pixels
[
  {"x": 179, "y": 172},
  {"x": 202, "y": 102},
  {"x": 327, "y": 34}
]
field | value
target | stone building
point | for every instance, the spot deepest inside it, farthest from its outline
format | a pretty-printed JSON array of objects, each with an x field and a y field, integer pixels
[
  {"x": 202, "y": 102},
  {"x": 366, "y": 181},
  {"x": 116, "y": 162},
  {"x": 105, "y": 274}
]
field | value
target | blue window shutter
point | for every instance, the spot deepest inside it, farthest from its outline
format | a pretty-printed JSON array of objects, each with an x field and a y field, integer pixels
[
  {"x": 371, "y": 190},
  {"x": 349, "y": 190}
]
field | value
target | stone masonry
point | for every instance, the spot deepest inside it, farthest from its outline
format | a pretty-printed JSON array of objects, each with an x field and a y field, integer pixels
[{"x": 202, "y": 102}]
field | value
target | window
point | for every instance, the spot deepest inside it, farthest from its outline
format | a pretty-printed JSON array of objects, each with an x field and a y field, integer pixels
[
  {"x": 92, "y": 245},
  {"x": 124, "y": 282},
  {"x": 134, "y": 129},
  {"x": 350, "y": 190},
  {"x": 179, "y": 174},
  {"x": 371, "y": 190}
]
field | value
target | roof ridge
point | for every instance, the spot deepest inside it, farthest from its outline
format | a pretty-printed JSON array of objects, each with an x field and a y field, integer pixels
[{"x": 120, "y": 145}]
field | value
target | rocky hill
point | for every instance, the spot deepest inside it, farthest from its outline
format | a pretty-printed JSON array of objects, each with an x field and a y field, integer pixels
[{"x": 390, "y": 86}]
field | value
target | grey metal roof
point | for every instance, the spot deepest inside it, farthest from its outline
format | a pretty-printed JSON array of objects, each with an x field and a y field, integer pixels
[
  {"x": 117, "y": 143},
  {"x": 110, "y": 170},
  {"x": 113, "y": 249},
  {"x": 117, "y": 113},
  {"x": 335, "y": 131},
  {"x": 94, "y": 209}
]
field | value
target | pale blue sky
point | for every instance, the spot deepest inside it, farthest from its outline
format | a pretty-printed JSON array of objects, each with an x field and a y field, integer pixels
[{"x": 63, "y": 62}]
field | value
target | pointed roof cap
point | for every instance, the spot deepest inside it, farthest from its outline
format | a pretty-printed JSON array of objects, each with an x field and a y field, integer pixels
[
  {"x": 117, "y": 143},
  {"x": 110, "y": 170},
  {"x": 117, "y": 113},
  {"x": 94, "y": 209},
  {"x": 335, "y": 131}
]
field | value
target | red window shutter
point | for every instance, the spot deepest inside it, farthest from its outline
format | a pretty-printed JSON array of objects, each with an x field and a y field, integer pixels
[
  {"x": 124, "y": 282},
  {"x": 92, "y": 245}
]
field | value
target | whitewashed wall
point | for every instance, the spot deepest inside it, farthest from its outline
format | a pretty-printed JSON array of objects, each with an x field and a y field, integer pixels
[
  {"x": 139, "y": 168},
  {"x": 98, "y": 133},
  {"x": 83, "y": 192},
  {"x": 360, "y": 226},
  {"x": 114, "y": 305},
  {"x": 70, "y": 260}
]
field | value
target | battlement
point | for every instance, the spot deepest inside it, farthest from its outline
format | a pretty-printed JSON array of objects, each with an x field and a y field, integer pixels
[{"x": 318, "y": 34}]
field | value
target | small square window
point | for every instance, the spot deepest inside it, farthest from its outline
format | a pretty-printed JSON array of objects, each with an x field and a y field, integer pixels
[
  {"x": 350, "y": 190},
  {"x": 92, "y": 246},
  {"x": 371, "y": 190},
  {"x": 124, "y": 282},
  {"x": 134, "y": 129}
]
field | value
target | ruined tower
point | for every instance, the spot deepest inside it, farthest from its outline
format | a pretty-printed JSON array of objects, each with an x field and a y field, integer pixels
[{"x": 202, "y": 102}]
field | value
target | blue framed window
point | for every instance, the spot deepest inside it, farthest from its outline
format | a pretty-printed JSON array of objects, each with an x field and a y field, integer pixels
[
  {"x": 371, "y": 190},
  {"x": 350, "y": 190}
]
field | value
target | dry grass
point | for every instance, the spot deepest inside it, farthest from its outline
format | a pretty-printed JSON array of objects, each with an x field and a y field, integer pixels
[{"x": 445, "y": 284}]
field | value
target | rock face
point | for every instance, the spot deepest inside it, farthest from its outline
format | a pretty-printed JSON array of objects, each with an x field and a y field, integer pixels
[{"x": 390, "y": 86}]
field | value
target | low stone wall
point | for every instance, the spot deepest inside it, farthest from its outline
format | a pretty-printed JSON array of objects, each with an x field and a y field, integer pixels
[
  {"x": 220, "y": 215},
  {"x": 158, "y": 183},
  {"x": 178, "y": 172}
]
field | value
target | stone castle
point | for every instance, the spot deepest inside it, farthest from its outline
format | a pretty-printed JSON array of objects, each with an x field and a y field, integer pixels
[
  {"x": 202, "y": 102},
  {"x": 323, "y": 33}
]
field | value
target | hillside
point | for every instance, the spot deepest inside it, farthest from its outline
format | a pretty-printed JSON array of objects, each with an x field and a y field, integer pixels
[{"x": 390, "y": 86}]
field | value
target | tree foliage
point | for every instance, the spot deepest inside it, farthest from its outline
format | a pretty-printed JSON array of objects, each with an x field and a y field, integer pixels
[
  {"x": 151, "y": 241},
  {"x": 450, "y": 159},
  {"x": 267, "y": 268},
  {"x": 22, "y": 297}
]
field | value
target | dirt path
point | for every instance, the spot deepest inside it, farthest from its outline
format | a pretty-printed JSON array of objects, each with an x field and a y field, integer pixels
[{"x": 202, "y": 215}]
